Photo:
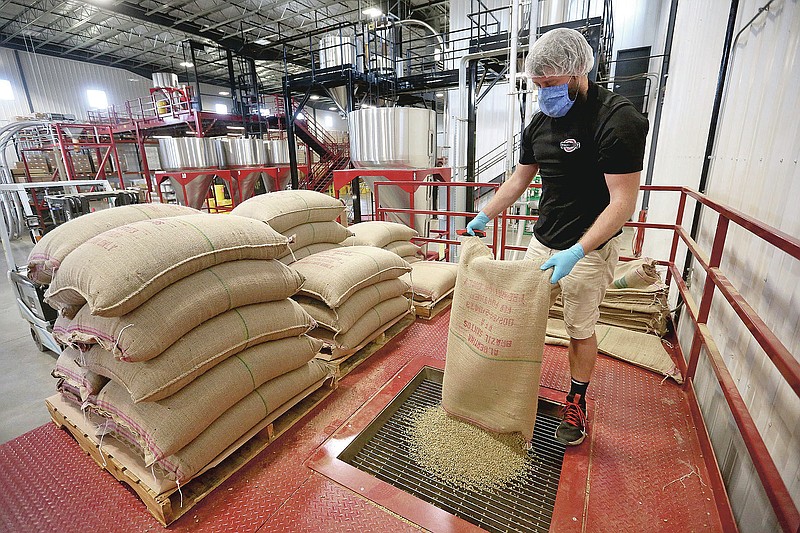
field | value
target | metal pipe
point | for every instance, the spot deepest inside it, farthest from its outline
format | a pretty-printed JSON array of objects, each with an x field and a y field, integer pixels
[
  {"x": 459, "y": 141},
  {"x": 651, "y": 160},
  {"x": 512, "y": 83},
  {"x": 712, "y": 129},
  {"x": 533, "y": 28}
]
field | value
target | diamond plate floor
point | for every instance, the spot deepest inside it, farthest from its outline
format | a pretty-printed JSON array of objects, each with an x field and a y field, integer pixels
[{"x": 644, "y": 447}]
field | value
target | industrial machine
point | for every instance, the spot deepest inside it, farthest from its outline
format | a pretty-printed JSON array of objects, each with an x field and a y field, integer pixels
[{"x": 72, "y": 202}]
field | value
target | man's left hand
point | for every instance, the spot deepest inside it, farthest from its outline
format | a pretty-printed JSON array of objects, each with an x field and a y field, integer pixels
[{"x": 563, "y": 262}]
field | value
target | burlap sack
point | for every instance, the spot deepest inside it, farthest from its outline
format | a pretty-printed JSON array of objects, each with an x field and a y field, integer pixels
[
  {"x": 411, "y": 259},
  {"x": 308, "y": 250},
  {"x": 333, "y": 276},
  {"x": 239, "y": 419},
  {"x": 646, "y": 351},
  {"x": 495, "y": 341},
  {"x": 343, "y": 318},
  {"x": 50, "y": 251},
  {"x": 344, "y": 343},
  {"x": 403, "y": 248},
  {"x": 379, "y": 233},
  {"x": 286, "y": 209},
  {"x": 314, "y": 233},
  {"x": 155, "y": 325},
  {"x": 164, "y": 427},
  {"x": 202, "y": 348},
  {"x": 117, "y": 271},
  {"x": 639, "y": 273},
  {"x": 431, "y": 280},
  {"x": 79, "y": 379}
]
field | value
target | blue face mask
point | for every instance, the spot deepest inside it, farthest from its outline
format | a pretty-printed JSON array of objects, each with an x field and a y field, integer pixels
[{"x": 555, "y": 101}]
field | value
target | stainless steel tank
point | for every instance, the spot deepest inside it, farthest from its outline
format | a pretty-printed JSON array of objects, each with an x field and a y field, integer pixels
[
  {"x": 396, "y": 138},
  {"x": 393, "y": 137},
  {"x": 178, "y": 153},
  {"x": 240, "y": 152},
  {"x": 335, "y": 50},
  {"x": 278, "y": 152},
  {"x": 165, "y": 79}
]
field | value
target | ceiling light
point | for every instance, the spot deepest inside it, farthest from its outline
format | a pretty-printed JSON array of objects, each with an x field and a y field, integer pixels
[
  {"x": 314, "y": 97},
  {"x": 132, "y": 79},
  {"x": 224, "y": 93},
  {"x": 439, "y": 95},
  {"x": 367, "y": 106},
  {"x": 373, "y": 12},
  {"x": 186, "y": 64},
  {"x": 162, "y": 137},
  {"x": 333, "y": 108},
  {"x": 262, "y": 41},
  {"x": 235, "y": 127}
]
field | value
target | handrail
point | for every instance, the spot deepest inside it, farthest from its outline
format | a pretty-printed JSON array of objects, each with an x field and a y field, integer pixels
[{"x": 785, "y": 510}]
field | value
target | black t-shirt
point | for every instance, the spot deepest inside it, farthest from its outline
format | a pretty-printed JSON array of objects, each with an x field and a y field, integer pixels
[{"x": 603, "y": 134}]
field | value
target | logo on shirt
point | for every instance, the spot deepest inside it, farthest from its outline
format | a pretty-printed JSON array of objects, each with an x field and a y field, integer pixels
[{"x": 570, "y": 145}]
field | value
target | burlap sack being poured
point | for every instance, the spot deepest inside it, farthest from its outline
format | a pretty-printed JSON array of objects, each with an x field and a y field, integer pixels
[{"x": 495, "y": 342}]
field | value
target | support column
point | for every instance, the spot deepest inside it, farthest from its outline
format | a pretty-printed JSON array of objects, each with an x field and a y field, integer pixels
[
  {"x": 355, "y": 185},
  {"x": 472, "y": 82},
  {"x": 292, "y": 145}
]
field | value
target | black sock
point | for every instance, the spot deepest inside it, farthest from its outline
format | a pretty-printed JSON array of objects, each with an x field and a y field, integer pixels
[{"x": 578, "y": 387}]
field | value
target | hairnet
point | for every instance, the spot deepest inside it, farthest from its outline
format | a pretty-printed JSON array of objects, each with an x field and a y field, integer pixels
[{"x": 559, "y": 52}]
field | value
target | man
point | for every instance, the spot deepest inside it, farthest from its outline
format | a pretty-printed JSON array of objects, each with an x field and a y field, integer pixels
[{"x": 588, "y": 145}]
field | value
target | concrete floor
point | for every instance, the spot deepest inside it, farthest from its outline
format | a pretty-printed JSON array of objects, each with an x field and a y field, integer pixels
[{"x": 25, "y": 379}]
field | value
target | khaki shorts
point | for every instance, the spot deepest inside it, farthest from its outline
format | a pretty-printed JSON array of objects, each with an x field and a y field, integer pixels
[{"x": 584, "y": 288}]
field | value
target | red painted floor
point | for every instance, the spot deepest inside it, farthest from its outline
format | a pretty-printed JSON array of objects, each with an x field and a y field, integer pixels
[{"x": 643, "y": 452}]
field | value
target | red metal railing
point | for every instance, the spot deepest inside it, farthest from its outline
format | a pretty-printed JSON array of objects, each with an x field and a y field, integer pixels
[{"x": 785, "y": 510}]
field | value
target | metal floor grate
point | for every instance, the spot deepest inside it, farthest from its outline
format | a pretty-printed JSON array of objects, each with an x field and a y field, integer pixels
[{"x": 527, "y": 507}]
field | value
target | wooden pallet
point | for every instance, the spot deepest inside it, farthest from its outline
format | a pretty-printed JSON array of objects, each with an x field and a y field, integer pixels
[
  {"x": 345, "y": 363},
  {"x": 428, "y": 310},
  {"x": 162, "y": 497}
]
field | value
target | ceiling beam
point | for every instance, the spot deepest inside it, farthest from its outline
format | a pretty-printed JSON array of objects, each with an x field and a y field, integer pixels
[
  {"x": 227, "y": 41},
  {"x": 131, "y": 66}
]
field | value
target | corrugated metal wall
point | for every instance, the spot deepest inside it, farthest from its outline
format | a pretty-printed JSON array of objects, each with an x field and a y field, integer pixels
[
  {"x": 754, "y": 169},
  {"x": 59, "y": 85}
]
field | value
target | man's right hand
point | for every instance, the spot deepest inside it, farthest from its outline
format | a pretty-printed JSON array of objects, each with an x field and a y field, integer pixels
[{"x": 478, "y": 223}]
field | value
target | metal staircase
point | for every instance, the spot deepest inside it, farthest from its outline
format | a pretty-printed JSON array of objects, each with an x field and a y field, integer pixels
[{"x": 333, "y": 154}]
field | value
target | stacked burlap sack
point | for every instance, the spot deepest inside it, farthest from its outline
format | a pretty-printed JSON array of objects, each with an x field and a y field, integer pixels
[
  {"x": 390, "y": 236},
  {"x": 307, "y": 218},
  {"x": 76, "y": 383},
  {"x": 190, "y": 319},
  {"x": 50, "y": 251},
  {"x": 352, "y": 293},
  {"x": 431, "y": 281},
  {"x": 636, "y": 300},
  {"x": 640, "y": 349}
]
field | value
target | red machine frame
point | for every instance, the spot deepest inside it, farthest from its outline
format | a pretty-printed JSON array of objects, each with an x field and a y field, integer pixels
[
  {"x": 231, "y": 176},
  {"x": 785, "y": 510}
]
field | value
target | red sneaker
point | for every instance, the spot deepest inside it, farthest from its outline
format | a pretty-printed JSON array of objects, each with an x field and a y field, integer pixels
[{"x": 572, "y": 429}]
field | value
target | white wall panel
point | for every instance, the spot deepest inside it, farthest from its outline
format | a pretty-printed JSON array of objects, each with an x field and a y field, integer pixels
[
  {"x": 9, "y": 71},
  {"x": 59, "y": 85},
  {"x": 754, "y": 170}
]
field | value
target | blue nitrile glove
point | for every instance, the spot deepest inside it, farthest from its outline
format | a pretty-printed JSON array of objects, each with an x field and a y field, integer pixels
[
  {"x": 478, "y": 223},
  {"x": 563, "y": 262}
]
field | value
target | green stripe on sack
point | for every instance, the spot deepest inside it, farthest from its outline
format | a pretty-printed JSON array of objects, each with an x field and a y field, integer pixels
[
  {"x": 266, "y": 407},
  {"x": 198, "y": 230},
  {"x": 224, "y": 286},
  {"x": 620, "y": 283},
  {"x": 253, "y": 379},
  {"x": 244, "y": 323}
]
